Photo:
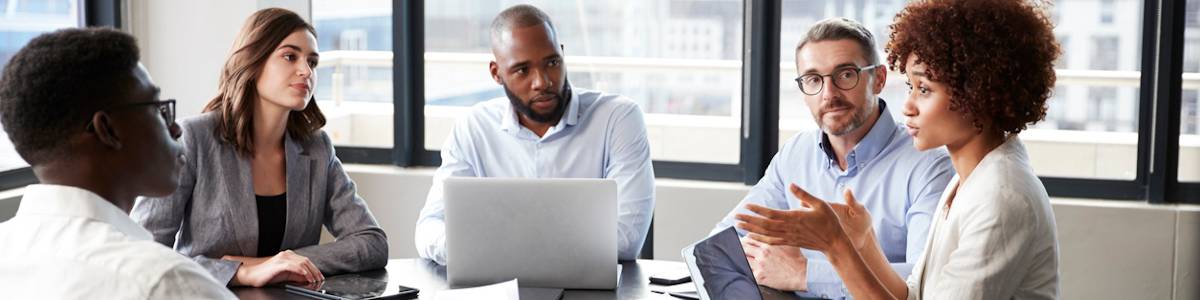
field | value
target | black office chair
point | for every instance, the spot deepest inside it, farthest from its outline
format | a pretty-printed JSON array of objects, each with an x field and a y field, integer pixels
[{"x": 648, "y": 247}]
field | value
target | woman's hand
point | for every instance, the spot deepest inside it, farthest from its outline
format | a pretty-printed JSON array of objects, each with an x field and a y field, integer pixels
[
  {"x": 815, "y": 226},
  {"x": 286, "y": 266},
  {"x": 855, "y": 220}
]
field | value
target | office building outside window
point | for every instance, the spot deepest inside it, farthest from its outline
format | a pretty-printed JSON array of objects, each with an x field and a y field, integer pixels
[
  {"x": 354, "y": 78},
  {"x": 679, "y": 60}
]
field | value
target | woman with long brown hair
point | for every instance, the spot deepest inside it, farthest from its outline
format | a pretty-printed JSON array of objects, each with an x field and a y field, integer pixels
[{"x": 261, "y": 176}]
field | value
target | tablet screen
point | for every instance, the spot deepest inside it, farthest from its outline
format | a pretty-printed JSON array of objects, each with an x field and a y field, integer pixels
[{"x": 722, "y": 263}]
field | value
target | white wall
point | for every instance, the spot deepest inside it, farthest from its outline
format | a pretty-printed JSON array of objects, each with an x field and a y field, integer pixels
[
  {"x": 1109, "y": 249},
  {"x": 184, "y": 43}
]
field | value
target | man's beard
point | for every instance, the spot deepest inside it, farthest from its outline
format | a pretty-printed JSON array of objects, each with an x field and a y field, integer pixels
[
  {"x": 857, "y": 120},
  {"x": 561, "y": 100}
]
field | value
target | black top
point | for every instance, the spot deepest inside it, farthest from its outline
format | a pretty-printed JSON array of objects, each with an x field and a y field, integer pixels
[{"x": 272, "y": 219}]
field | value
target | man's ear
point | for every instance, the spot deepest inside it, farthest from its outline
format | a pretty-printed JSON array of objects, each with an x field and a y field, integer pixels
[
  {"x": 880, "y": 78},
  {"x": 104, "y": 131},
  {"x": 494, "y": 69}
]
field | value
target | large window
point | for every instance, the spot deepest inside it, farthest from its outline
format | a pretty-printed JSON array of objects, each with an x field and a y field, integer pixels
[
  {"x": 21, "y": 21},
  {"x": 1091, "y": 128},
  {"x": 711, "y": 113},
  {"x": 354, "y": 78},
  {"x": 679, "y": 60}
]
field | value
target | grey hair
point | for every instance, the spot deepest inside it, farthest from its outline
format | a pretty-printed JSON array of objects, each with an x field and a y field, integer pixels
[
  {"x": 836, "y": 28},
  {"x": 517, "y": 16}
]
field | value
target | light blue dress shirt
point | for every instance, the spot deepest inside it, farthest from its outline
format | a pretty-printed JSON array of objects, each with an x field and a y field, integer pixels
[
  {"x": 600, "y": 136},
  {"x": 899, "y": 186}
]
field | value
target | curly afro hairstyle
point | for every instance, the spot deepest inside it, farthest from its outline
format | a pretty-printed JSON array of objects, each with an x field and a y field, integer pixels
[
  {"x": 996, "y": 56},
  {"x": 53, "y": 85}
]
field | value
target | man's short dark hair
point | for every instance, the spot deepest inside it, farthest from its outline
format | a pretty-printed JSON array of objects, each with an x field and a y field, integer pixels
[
  {"x": 53, "y": 85},
  {"x": 518, "y": 16},
  {"x": 835, "y": 29}
]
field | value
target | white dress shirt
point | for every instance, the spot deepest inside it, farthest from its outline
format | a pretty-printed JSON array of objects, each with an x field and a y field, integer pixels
[
  {"x": 599, "y": 136},
  {"x": 997, "y": 240},
  {"x": 68, "y": 243}
]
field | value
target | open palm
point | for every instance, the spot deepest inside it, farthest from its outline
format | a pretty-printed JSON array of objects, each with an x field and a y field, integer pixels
[{"x": 855, "y": 220}]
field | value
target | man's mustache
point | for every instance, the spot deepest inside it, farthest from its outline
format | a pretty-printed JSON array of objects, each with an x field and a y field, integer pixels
[{"x": 836, "y": 104}]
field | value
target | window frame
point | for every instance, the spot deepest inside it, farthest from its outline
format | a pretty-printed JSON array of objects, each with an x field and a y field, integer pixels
[{"x": 1159, "y": 107}]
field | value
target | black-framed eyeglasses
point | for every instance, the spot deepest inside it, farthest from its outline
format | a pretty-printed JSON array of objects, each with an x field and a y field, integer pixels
[
  {"x": 166, "y": 108},
  {"x": 844, "y": 78}
]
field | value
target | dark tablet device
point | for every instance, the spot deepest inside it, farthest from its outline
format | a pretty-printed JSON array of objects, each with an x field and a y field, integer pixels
[
  {"x": 353, "y": 287},
  {"x": 720, "y": 270}
]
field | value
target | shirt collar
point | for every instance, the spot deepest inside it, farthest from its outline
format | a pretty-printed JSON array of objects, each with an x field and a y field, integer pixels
[
  {"x": 67, "y": 201},
  {"x": 511, "y": 124},
  {"x": 872, "y": 144}
]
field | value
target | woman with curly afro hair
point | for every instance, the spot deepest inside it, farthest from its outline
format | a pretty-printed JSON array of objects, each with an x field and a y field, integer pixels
[{"x": 979, "y": 72}]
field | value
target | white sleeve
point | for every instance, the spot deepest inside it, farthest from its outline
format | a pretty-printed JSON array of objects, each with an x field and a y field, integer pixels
[
  {"x": 989, "y": 260},
  {"x": 430, "y": 232},
  {"x": 188, "y": 281}
]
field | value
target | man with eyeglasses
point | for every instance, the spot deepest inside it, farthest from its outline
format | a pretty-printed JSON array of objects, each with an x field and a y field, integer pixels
[
  {"x": 84, "y": 114},
  {"x": 860, "y": 146}
]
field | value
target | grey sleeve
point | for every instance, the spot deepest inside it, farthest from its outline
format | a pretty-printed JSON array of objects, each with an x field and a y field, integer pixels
[{"x": 360, "y": 243}]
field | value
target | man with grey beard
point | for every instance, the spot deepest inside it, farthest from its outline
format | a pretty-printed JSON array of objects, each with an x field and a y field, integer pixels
[{"x": 859, "y": 145}]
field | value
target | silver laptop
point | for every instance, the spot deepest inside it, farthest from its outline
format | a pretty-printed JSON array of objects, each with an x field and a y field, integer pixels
[{"x": 556, "y": 233}]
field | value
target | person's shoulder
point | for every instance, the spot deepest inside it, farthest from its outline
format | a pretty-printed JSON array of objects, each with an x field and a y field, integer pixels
[
  {"x": 151, "y": 253},
  {"x": 594, "y": 100},
  {"x": 902, "y": 150},
  {"x": 204, "y": 123},
  {"x": 800, "y": 143},
  {"x": 317, "y": 143},
  {"x": 200, "y": 131},
  {"x": 1005, "y": 186},
  {"x": 485, "y": 113},
  {"x": 491, "y": 107}
]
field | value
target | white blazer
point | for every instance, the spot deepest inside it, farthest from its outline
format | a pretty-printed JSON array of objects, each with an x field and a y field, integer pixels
[{"x": 997, "y": 240}]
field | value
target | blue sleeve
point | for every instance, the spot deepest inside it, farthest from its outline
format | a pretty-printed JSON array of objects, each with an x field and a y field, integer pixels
[
  {"x": 430, "y": 232},
  {"x": 770, "y": 191},
  {"x": 629, "y": 165},
  {"x": 926, "y": 183}
]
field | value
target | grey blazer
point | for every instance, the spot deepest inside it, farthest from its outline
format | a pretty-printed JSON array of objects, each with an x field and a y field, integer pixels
[{"x": 213, "y": 213}]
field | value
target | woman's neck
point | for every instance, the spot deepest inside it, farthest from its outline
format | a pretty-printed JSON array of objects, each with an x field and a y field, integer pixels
[
  {"x": 965, "y": 156},
  {"x": 270, "y": 124}
]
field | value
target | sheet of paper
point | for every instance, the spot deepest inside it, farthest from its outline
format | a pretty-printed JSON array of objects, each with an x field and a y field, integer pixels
[
  {"x": 507, "y": 290},
  {"x": 682, "y": 287}
]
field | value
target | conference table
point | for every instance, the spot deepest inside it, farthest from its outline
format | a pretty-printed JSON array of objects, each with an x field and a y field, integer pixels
[{"x": 430, "y": 278}]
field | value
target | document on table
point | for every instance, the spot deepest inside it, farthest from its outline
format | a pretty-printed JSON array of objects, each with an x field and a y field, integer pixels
[{"x": 507, "y": 290}]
